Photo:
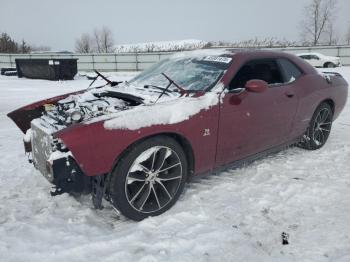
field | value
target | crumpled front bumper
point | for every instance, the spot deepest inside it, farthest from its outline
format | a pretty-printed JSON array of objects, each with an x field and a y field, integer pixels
[{"x": 59, "y": 168}]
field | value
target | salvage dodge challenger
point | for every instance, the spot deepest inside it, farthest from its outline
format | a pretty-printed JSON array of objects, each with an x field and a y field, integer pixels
[{"x": 136, "y": 143}]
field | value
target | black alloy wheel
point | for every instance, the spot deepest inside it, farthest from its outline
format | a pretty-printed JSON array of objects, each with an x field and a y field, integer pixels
[
  {"x": 149, "y": 179},
  {"x": 319, "y": 129}
]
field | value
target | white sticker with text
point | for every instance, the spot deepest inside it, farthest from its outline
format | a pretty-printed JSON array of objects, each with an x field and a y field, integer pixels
[{"x": 218, "y": 59}]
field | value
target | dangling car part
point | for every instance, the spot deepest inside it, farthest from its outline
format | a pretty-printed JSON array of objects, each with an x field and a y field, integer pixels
[{"x": 136, "y": 143}]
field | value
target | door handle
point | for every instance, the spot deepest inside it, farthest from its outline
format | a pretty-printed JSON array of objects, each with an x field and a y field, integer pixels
[{"x": 289, "y": 94}]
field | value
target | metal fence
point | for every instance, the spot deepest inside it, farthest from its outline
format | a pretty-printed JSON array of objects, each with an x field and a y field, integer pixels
[
  {"x": 141, "y": 61},
  {"x": 103, "y": 62}
]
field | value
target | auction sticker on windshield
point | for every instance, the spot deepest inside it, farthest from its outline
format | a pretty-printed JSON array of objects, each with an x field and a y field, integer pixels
[{"x": 218, "y": 59}]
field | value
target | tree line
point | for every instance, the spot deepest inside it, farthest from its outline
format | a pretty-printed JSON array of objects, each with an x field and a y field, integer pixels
[
  {"x": 9, "y": 45},
  {"x": 99, "y": 41}
]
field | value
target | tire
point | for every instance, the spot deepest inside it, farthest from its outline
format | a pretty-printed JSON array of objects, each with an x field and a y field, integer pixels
[
  {"x": 319, "y": 129},
  {"x": 5, "y": 69},
  {"x": 10, "y": 73},
  {"x": 329, "y": 65},
  {"x": 149, "y": 178}
]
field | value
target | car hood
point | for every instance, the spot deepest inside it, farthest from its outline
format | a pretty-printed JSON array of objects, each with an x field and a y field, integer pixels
[{"x": 122, "y": 107}]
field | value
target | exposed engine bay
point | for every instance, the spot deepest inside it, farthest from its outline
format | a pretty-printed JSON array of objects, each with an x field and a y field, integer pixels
[{"x": 85, "y": 106}]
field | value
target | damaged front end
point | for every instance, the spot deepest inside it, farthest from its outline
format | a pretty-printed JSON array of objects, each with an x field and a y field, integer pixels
[
  {"x": 47, "y": 153},
  {"x": 55, "y": 161},
  {"x": 43, "y": 121}
]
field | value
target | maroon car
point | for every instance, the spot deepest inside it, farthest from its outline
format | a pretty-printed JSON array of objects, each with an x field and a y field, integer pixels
[{"x": 136, "y": 143}]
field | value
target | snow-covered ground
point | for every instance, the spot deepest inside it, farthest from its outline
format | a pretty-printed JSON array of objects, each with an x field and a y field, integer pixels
[{"x": 235, "y": 215}]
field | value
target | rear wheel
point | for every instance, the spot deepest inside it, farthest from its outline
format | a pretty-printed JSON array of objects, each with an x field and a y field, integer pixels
[
  {"x": 149, "y": 179},
  {"x": 319, "y": 129}
]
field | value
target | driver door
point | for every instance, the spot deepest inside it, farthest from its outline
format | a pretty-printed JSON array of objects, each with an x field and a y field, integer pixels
[{"x": 253, "y": 122}]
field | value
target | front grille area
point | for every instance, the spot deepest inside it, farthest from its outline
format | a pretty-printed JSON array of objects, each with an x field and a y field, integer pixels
[{"x": 41, "y": 147}]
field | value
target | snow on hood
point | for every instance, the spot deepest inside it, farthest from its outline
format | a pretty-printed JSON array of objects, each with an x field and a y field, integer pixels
[
  {"x": 147, "y": 95},
  {"x": 162, "y": 113}
]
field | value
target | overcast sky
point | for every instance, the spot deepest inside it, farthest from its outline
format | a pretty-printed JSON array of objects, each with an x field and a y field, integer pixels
[{"x": 58, "y": 23}]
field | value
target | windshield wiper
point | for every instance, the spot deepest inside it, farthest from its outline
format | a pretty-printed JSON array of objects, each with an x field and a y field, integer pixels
[
  {"x": 182, "y": 91},
  {"x": 157, "y": 87},
  {"x": 109, "y": 82},
  {"x": 171, "y": 82}
]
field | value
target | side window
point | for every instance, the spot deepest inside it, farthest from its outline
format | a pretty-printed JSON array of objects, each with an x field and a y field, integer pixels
[
  {"x": 314, "y": 57},
  {"x": 266, "y": 69},
  {"x": 290, "y": 71}
]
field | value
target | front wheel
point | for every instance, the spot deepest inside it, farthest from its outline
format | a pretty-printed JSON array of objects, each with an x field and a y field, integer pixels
[
  {"x": 149, "y": 179},
  {"x": 319, "y": 129}
]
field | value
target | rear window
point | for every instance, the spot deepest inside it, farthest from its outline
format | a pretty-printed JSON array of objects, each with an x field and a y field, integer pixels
[{"x": 290, "y": 71}]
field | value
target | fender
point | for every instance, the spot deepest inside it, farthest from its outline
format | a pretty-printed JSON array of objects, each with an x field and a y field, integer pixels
[{"x": 95, "y": 148}]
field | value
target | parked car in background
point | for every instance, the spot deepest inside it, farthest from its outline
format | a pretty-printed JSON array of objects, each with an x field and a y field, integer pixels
[
  {"x": 320, "y": 60},
  {"x": 136, "y": 143}
]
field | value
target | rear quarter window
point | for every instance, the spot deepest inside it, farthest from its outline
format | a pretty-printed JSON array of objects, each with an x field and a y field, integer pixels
[{"x": 289, "y": 70}]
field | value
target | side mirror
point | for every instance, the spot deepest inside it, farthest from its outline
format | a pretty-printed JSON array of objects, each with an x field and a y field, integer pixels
[{"x": 256, "y": 86}]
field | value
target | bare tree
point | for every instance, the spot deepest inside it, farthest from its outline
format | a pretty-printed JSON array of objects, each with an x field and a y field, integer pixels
[
  {"x": 331, "y": 34},
  {"x": 9, "y": 45},
  {"x": 84, "y": 44},
  {"x": 318, "y": 14},
  {"x": 103, "y": 39},
  {"x": 24, "y": 47},
  {"x": 97, "y": 41},
  {"x": 150, "y": 47},
  {"x": 347, "y": 37}
]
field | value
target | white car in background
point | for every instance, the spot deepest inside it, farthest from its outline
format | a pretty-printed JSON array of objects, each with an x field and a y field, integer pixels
[{"x": 320, "y": 60}]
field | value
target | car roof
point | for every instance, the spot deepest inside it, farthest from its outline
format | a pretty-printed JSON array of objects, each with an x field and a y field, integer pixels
[
  {"x": 233, "y": 52},
  {"x": 245, "y": 54}
]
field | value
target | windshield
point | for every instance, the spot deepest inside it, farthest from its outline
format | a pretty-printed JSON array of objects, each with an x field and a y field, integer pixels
[{"x": 189, "y": 73}]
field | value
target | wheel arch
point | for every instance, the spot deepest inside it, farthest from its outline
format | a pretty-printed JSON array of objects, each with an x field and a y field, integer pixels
[
  {"x": 328, "y": 101},
  {"x": 183, "y": 142},
  {"x": 325, "y": 64}
]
